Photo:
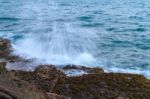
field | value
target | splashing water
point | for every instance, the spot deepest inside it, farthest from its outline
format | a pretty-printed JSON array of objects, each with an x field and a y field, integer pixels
[{"x": 63, "y": 44}]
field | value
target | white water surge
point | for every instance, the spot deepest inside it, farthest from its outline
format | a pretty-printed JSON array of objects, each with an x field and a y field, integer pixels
[{"x": 62, "y": 43}]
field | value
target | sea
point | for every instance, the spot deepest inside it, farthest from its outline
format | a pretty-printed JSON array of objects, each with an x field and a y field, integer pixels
[{"x": 110, "y": 34}]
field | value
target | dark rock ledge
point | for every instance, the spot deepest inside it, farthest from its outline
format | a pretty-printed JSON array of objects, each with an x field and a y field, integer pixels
[{"x": 49, "y": 82}]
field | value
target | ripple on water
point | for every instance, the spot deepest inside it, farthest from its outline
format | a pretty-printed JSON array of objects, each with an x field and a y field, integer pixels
[{"x": 8, "y": 19}]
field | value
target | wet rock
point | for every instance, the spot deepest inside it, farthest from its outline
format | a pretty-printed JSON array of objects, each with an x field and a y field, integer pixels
[
  {"x": 50, "y": 80},
  {"x": 5, "y": 47},
  {"x": 5, "y": 96},
  {"x": 12, "y": 87},
  {"x": 2, "y": 68},
  {"x": 94, "y": 70},
  {"x": 44, "y": 77},
  {"x": 122, "y": 98},
  {"x": 29, "y": 85},
  {"x": 104, "y": 86},
  {"x": 56, "y": 96},
  {"x": 6, "y": 50},
  {"x": 47, "y": 80}
]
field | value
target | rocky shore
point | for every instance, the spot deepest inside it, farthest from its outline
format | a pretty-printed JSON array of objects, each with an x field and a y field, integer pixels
[{"x": 49, "y": 82}]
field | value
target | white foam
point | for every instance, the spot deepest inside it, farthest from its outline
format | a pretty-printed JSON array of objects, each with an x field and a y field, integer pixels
[
  {"x": 75, "y": 72},
  {"x": 64, "y": 45}
]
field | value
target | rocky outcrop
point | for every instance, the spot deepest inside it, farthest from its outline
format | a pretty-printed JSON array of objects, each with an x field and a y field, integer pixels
[
  {"x": 5, "y": 51},
  {"x": 44, "y": 77},
  {"x": 2, "y": 68},
  {"x": 49, "y": 82},
  {"x": 104, "y": 86},
  {"x": 5, "y": 47},
  {"x": 12, "y": 87},
  {"x": 15, "y": 88},
  {"x": 56, "y": 96},
  {"x": 17, "y": 84},
  {"x": 94, "y": 70},
  {"x": 30, "y": 85}
]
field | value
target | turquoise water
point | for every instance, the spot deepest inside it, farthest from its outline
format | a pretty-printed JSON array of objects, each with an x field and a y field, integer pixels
[{"x": 112, "y": 34}]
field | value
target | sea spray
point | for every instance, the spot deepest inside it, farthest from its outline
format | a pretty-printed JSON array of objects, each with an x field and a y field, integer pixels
[{"x": 63, "y": 45}]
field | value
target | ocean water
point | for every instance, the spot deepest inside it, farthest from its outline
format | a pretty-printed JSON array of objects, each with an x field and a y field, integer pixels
[{"x": 112, "y": 34}]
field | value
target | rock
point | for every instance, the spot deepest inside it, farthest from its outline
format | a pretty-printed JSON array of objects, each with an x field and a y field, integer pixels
[
  {"x": 48, "y": 82},
  {"x": 5, "y": 44},
  {"x": 56, "y": 96},
  {"x": 13, "y": 88},
  {"x": 29, "y": 85},
  {"x": 5, "y": 96},
  {"x": 5, "y": 47},
  {"x": 6, "y": 51},
  {"x": 122, "y": 98},
  {"x": 2, "y": 68},
  {"x": 94, "y": 70},
  {"x": 104, "y": 86},
  {"x": 44, "y": 77}
]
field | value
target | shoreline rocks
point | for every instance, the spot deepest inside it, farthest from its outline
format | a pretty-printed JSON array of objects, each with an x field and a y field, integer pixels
[
  {"x": 88, "y": 70},
  {"x": 49, "y": 82},
  {"x": 5, "y": 47},
  {"x": 38, "y": 84},
  {"x": 44, "y": 77},
  {"x": 49, "y": 79},
  {"x": 6, "y": 51},
  {"x": 12, "y": 87},
  {"x": 104, "y": 86}
]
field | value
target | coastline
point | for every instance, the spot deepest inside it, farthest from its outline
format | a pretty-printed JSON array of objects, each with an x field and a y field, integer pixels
[{"x": 49, "y": 82}]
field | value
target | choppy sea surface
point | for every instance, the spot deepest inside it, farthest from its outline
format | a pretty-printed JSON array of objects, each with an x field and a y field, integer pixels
[{"x": 112, "y": 34}]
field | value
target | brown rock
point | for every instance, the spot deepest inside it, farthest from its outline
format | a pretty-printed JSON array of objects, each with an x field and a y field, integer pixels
[
  {"x": 2, "y": 68},
  {"x": 28, "y": 85},
  {"x": 5, "y": 96},
  {"x": 56, "y": 96},
  {"x": 5, "y": 47},
  {"x": 13, "y": 88},
  {"x": 104, "y": 86},
  {"x": 122, "y": 98},
  {"x": 94, "y": 70},
  {"x": 44, "y": 77},
  {"x": 95, "y": 85}
]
